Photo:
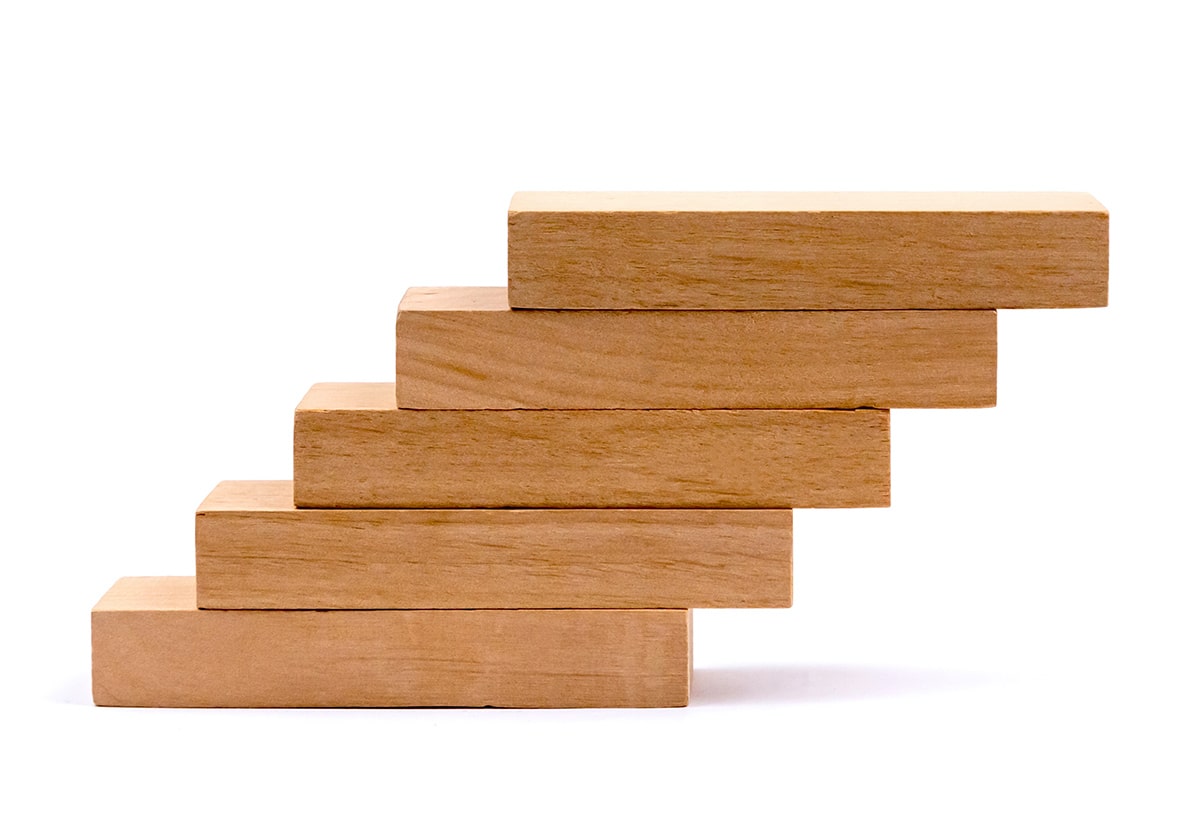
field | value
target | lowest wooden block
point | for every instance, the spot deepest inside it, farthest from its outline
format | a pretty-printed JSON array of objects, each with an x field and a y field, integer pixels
[
  {"x": 465, "y": 348},
  {"x": 151, "y": 647},
  {"x": 355, "y": 449},
  {"x": 807, "y": 250},
  {"x": 254, "y": 549}
]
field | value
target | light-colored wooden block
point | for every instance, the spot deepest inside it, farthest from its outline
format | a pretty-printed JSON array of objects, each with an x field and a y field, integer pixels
[
  {"x": 151, "y": 647},
  {"x": 465, "y": 348},
  {"x": 355, "y": 449},
  {"x": 807, "y": 250},
  {"x": 254, "y": 549}
]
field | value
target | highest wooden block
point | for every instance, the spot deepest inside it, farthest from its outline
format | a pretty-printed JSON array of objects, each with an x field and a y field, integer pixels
[
  {"x": 151, "y": 647},
  {"x": 465, "y": 348},
  {"x": 254, "y": 549},
  {"x": 355, "y": 449},
  {"x": 807, "y": 250}
]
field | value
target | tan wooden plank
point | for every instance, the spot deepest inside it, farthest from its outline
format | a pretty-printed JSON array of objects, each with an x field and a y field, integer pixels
[
  {"x": 151, "y": 647},
  {"x": 828, "y": 250},
  {"x": 355, "y": 449},
  {"x": 254, "y": 549},
  {"x": 465, "y": 348}
]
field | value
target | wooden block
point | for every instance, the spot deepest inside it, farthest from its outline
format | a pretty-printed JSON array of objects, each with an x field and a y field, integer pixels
[
  {"x": 355, "y": 449},
  {"x": 151, "y": 647},
  {"x": 254, "y": 549},
  {"x": 807, "y": 251},
  {"x": 465, "y": 348}
]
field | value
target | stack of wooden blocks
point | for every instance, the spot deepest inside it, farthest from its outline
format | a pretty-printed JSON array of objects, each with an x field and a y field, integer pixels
[{"x": 564, "y": 469}]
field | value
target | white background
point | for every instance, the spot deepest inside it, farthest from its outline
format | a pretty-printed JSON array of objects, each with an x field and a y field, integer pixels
[{"x": 206, "y": 207}]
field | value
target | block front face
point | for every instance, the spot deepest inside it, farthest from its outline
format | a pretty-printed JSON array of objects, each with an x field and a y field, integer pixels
[
  {"x": 151, "y": 647},
  {"x": 354, "y": 449},
  {"x": 255, "y": 550},
  {"x": 460, "y": 348},
  {"x": 807, "y": 251}
]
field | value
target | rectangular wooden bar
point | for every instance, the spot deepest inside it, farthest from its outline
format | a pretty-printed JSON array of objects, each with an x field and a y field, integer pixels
[
  {"x": 254, "y": 549},
  {"x": 355, "y": 449},
  {"x": 465, "y": 348},
  {"x": 646, "y": 250},
  {"x": 151, "y": 647}
]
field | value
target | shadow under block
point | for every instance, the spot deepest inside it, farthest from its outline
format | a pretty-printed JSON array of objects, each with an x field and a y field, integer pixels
[
  {"x": 465, "y": 348},
  {"x": 255, "y": 550},
  {"x": 151, "y": 647},
  {"x": 355, "y": 449},
  {"x": 807, "y": 250}
]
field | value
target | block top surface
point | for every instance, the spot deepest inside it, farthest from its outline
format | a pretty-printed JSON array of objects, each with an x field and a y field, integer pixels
[
  {"x": 350, "y": 396},
  {"x": 149, "y": 594},
  {"x": 249, "y": 495},
  {"x": 815, "y": 201},
  {"x": 456, "y": 298}
]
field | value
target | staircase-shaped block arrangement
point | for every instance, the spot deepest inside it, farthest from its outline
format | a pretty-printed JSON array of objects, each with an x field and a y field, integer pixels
[{"x": 563, "y": 469}]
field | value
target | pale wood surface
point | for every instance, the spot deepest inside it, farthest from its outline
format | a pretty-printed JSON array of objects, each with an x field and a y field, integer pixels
[
  {"x": 151, "y": 647},
  {"x": 830, "y": 250},
  {"x": 465, "y": 348},
  {"x": 816, "y": 201},
  {"x": 254, "y": 549},
  {"x": 355, "y": 449}
]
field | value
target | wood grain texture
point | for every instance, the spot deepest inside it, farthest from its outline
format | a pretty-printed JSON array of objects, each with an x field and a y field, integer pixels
[
  {"x": 355, "y": 449},
  {"x": 807, "y": 250},
  {"x": 151, "y": 647},
  {"x": 254, "y": 549},
  {"x": 465, "y": 348}
]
